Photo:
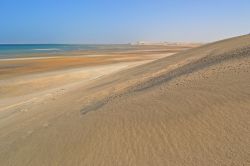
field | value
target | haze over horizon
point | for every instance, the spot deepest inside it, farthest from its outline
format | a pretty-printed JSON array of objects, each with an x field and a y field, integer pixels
[
  {"x": 69, "y": 104},
  {"x": 98, "y": 22}
]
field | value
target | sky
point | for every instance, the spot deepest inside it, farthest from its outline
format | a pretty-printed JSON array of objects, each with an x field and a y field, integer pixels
[{"x": 121, "y": 21}]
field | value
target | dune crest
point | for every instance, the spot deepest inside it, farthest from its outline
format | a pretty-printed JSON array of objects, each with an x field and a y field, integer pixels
[{"x": 191, "y": 108}]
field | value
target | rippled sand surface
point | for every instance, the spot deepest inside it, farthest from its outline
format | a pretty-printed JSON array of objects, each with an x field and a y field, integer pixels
[{"x": 191, "y": 108}]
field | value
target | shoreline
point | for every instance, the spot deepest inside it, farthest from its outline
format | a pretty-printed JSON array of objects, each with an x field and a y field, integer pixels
[
  {"x": 105, "y": 49},
  {"x": 186, "y": 108},
  {"x": 20, "y": 77}
]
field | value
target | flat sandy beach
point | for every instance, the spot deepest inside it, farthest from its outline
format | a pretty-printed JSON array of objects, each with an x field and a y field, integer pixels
[{"x": 157, "y": 105}]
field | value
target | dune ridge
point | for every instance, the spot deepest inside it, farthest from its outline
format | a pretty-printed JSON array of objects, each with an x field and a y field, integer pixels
[
  {"x": 191, "y": 64},
  {"x": 191, "y": 108},
  {"x": 195, "y": 113}
]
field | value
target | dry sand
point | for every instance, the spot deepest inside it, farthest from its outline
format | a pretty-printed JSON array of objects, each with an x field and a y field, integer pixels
[{"x": 191, "y": 108}]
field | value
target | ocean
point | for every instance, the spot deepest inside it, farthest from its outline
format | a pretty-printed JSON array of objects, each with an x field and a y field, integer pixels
[{"x": 27, "y": 50}]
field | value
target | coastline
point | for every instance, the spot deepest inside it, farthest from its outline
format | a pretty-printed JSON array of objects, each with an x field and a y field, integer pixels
[
  {"x": 24, "y": 78},
  {"x": 187, "y": 108}
]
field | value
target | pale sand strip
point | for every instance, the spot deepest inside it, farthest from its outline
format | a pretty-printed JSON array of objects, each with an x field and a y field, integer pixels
[
  {"x": 130, "y": 129},
  {"x": 66, "y": 79}
]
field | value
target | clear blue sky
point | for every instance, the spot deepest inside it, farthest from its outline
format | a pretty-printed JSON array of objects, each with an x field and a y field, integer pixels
[{"x": 121, "y": 21}]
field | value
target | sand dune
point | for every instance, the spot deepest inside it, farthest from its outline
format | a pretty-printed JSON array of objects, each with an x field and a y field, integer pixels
[{"x": 191, "y": 108}]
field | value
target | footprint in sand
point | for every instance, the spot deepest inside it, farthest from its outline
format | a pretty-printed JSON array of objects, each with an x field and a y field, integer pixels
[
  {"x": 45, "y": 125},
  {"x": 24, "y": 110},
  {"x": 29, "y": 132}
]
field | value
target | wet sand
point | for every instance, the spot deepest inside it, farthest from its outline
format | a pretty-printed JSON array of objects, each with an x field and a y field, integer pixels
[
  {"x": 20, "y": 77},
  {"x": 190, "y": 108}
]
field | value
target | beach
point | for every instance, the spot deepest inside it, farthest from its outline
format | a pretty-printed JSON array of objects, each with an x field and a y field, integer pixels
[
  {"x": 26, "y": 76},
  {"x": 157, "y": 105}
]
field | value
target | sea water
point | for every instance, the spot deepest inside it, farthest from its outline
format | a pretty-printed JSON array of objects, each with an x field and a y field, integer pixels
[{"x": 24, "y": 50}]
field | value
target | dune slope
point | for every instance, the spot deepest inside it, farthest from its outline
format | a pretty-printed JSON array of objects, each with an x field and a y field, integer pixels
[{"x": 192, "y": 108}]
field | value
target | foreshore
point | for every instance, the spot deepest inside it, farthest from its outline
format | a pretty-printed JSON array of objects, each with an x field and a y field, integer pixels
[
  {"x": 136, "y": 107},
  {"x": 25, "y": 77}
]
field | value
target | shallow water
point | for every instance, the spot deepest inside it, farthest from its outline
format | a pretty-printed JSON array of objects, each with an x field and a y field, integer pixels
[{"x": 21, "y": 50}]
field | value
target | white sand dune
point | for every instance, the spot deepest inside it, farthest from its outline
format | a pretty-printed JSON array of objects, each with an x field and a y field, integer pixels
[{"x": 192, "y": 108}]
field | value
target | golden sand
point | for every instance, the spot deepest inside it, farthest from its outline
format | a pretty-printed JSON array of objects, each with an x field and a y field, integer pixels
[{"x": 191, "y": 108}]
